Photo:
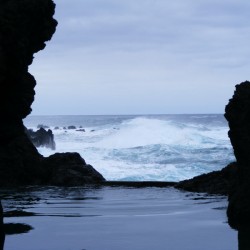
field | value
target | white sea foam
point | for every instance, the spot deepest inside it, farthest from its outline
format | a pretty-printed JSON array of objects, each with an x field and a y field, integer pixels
[
  {"x": 149, "y": 148},
  {"x": 143, "y": 132}
]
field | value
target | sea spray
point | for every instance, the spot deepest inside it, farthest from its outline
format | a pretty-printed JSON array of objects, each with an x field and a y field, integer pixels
[{"x": 155, "y": 147}]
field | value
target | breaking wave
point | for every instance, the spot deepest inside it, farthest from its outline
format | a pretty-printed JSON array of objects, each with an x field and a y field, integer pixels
[{"x": 163, "y": 148}]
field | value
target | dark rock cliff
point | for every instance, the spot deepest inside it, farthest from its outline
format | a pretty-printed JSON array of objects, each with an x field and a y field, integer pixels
[
  {"x": 25, "y": 26},
  {"x": 233, "y": 180},
  {"x": 2, "y": 233},
  {"x": 237, "y": 113}
]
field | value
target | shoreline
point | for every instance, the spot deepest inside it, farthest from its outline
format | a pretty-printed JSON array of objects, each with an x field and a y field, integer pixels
[{"x": 139, "y": 184}]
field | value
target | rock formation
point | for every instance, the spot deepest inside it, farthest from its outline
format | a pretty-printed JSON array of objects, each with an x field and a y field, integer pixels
[
  {"x": 25, "y": 26},
  {"x": 67, "y": 169},
  {"x": 237, "y": 113},
  {"x": 217, "y": 182},
  {"x": 2, "y": 233},
  {"x": 42, "y": 138}
]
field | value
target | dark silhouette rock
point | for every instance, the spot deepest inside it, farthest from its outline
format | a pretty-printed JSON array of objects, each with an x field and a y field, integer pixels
[
  {"x": 25, "y": 26},
  {"x": 244, "y": 239},
  {"x": 216, "y": 182},
  {"x": 21, "y": 164},
  {"x": 42, "y": 138},
  {"x": 237, "y": 113},
  {"x": 2, "y": 232},
  {"x": 70, "y": 169},
  {"x": 16, "y": 228}
]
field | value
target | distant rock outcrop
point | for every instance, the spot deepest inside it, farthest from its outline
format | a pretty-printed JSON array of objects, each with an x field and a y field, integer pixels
[
  {"x": 238, "y": 117},
  {"x": 42, "y": 138},
  {"x": 25, "y": 26},
  {"x": 72, "y": 127}
]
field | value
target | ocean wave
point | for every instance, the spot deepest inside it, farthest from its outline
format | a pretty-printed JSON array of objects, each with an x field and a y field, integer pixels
[{"x": 165, "y": 148}]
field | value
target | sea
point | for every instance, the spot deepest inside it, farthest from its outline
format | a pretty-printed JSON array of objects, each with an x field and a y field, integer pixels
[
  {"x": 115, "y": 218},
  {"x": 142, "y": 147},
  {"x": 132, "y": 148}
]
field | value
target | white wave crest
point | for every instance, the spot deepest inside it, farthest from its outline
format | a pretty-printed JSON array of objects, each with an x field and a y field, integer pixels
[
  {"x": 148, "y": 148},
  {"x": 143, "y": 131}
]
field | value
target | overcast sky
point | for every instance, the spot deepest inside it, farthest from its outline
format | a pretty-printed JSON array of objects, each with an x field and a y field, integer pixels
[{"x": 143, "y": 57}]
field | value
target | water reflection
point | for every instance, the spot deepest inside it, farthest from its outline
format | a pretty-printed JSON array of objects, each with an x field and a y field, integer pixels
[
  {"x": 16, "y": 228},
  {"x": 121, "y": 218}
]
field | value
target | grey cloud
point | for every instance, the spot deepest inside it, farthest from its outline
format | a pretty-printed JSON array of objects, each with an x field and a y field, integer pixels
[{"x": 193, "y": 44}]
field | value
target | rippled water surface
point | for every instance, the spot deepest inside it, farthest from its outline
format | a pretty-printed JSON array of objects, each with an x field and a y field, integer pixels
[{"x": 108, "y": 218}]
